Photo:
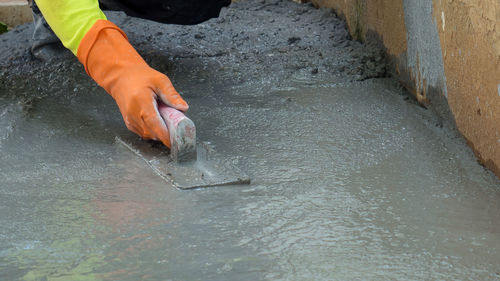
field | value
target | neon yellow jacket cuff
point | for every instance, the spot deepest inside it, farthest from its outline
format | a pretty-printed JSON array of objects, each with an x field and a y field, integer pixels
[{"x": 71, "y": 19}]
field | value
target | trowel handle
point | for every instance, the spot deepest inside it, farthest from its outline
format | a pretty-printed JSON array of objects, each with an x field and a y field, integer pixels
[
  {"x": 171, "y": 115},
  {"x": 182, "y": 133}
]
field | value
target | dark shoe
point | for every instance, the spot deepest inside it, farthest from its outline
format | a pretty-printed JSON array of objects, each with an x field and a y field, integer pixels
[
  {"x": 45, "y": 45},
  {"x": 49, "y": 50}
]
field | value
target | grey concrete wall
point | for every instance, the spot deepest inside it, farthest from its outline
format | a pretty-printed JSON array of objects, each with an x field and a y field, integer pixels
[{"x": 424, "y": 55}]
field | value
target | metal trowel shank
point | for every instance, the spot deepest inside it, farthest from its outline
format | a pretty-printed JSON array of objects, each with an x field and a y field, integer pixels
[{"x": 187, "y": 165}]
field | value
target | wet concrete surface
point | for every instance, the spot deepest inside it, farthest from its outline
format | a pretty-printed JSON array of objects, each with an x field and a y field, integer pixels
[{"x": 351, "y": 180}]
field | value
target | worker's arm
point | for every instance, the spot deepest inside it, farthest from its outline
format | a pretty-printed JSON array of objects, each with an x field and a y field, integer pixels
[{"x": 113, "y": 63}]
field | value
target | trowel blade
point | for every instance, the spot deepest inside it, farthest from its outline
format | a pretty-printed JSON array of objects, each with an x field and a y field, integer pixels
[{"x": 206, "y": 171}]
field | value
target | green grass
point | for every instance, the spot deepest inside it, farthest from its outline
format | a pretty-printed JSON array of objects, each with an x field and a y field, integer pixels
[{"x": 3, "y": 27}]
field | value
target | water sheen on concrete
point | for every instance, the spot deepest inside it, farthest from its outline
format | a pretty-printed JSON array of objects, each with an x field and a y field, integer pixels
[{"x": 351, "y": 179}]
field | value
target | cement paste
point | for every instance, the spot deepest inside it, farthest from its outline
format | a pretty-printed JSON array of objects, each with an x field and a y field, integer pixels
[{"x": 351, "y": 180}]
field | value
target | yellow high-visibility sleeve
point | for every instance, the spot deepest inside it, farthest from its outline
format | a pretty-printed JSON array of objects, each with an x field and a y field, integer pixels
[{"x": 70, "y": 19}]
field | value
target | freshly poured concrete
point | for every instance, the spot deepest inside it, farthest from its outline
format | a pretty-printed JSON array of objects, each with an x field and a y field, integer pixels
[{"x": 351, "y": 180}]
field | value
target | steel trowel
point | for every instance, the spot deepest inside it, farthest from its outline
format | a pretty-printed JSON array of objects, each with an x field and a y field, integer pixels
[{"x": 188, "y": 164}]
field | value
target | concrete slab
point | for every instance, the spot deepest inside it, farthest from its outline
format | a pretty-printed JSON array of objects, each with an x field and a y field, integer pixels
[
  {"x": 15, "y": 12},
  {"x": 351, "y": 178}
]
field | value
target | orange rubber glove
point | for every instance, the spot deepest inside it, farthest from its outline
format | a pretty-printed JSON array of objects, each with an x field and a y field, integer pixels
[{"x": 114, "y": 64}]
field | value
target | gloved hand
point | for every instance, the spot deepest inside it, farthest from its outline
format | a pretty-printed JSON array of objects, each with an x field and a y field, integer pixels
[{"x": 114, "y": 64}]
